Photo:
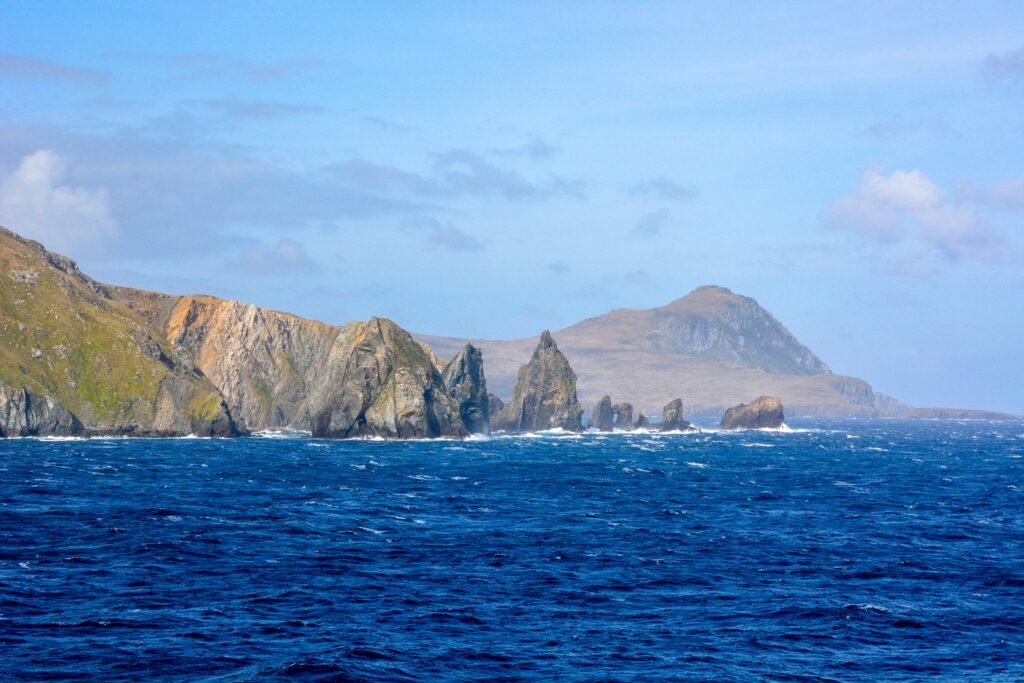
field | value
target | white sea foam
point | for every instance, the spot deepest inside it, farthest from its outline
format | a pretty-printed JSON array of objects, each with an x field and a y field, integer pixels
[
  {"x": 698, "y": 465},
  {"x": 868, "y": 607},
  {"x": 57, "y": 438},
  {"x": 283, "y": 434}
]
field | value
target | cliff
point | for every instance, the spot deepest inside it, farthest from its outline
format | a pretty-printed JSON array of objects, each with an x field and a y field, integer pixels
[
  {"x": 75, "y": 360},
  {"x": 545, "y": 394},
  {"x": 81, "y": 357},
  {"x": 464, "y": 379},
  {"x": 277, "y": 370}
]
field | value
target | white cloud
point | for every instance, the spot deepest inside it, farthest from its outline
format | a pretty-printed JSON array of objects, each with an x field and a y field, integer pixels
[
  {"x": 36, "y": 201},
  {"x": 906, "y": 206}
]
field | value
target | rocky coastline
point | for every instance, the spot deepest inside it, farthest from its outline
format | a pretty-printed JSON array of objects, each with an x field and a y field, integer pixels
[{"x": 83, "y": 358}]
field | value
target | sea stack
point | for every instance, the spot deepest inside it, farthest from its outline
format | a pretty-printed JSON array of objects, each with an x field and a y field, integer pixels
[
  {"x": 464, "y": 379},
  {"x": 603, "y": 418},
  {"x": 763, "y": 413},
  {"x": 642, "y": 422},
  {"x": 672, "y": 417},
  {"x": 545, "y": 394},
  {"x": 623, "y": 416}
]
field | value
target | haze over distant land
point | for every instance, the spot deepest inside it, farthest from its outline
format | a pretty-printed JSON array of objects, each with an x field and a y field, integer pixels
[
  {"x": 713, "y": 347},
  {"x": 492, "y": 171}
]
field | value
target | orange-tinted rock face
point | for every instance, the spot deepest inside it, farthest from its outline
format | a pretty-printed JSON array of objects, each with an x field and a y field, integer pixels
[{"x": 280, "y": 371}]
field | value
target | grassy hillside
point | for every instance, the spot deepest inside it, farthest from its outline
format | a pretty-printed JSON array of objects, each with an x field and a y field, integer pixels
[{"x": 67, "y": 338}]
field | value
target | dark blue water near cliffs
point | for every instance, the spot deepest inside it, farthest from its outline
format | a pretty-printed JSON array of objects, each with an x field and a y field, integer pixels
[{"x": 852, "y": 551}]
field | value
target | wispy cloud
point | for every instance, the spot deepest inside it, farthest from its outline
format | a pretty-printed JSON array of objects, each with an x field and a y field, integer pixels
[
  {"x": 208, "y": 66},
  {"x": 465, "y": 172},
  {"x": 663, "y": 188},
  {"x": 388, "y": 125},
  {"x": 906, "y": 206},
  {"x": 455, "y": 173},
  {"x": 443, "y": 235},
  {"x": 651, "y": 223},
  {"x": 250, "y": 110},
  {"x": 560, "y": 267},
  {"x": 19, "y": 67},
  {"x": 639, "y": 278},
  {"x": 1006, "y": 66},
  {"x": 287, "y": 257},
  {"x": 535, "y": 149},
  {"x": 1005, "y": 194},
  {"x": 897, "y": 126}
]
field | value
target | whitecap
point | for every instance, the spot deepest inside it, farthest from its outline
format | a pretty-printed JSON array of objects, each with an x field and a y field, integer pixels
[
  {"x": 698, "y": 465},
  {"x": 867, "y": 607},
  {"x": 283, "y": 434}
]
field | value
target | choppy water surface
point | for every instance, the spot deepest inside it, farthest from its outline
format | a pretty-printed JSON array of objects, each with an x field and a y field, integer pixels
[{"x": 854, "y": 551}]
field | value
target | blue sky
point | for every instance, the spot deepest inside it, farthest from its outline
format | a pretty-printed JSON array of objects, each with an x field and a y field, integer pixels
[{"x": 497, "y": 169}]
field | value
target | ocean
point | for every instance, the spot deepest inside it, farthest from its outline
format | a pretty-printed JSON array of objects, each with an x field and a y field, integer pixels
[{"x": 845, "y": 551}]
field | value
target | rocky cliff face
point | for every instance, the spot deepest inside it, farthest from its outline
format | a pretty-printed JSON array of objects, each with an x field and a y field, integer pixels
[
  {"x": 25, "y": 413},
  {"x": 267, "y": 364},
  {"x": 383, "y": 383},
  {"x": 672, "y": 417},
  {"x": 75, "y": 359},
  {"x": 545, "y": 394},
  {"x": 623, "y": 416},
  {"x": 494, "y": 406},
  {"x": 280, "y": 371},
  {"x": 602, "y": 417},
  {"x": 82, "y": 357},
  {"x": 642, "y": 422},
  {"x": 464, "y": 379},
  {"x": 765, "y": 412}
]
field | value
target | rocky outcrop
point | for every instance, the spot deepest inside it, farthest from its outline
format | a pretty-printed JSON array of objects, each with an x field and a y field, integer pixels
[
  {"x": 464, "y": 379},
  {"x": 25, "y": 413},
  {"x": 602, "y": 417},
  {"x": 494, "y": 406},
  {"x": 75, "y": 359},
  {"x": 545, "y": 394},
  {"x": 362, "y": 379},
  {"x": 623, "y": 416},
  {"x": 642, "y": 422},
  {"x": 672, "y": 417},
  {"x": 763, "y": 413},
  {"x": 380, "y": 382}
]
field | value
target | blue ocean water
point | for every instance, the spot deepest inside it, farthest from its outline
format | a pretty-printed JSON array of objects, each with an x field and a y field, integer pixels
[{"x": 858, "y": 551}]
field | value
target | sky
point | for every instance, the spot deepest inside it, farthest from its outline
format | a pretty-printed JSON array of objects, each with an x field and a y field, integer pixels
[{"x": 491, "y": 170}]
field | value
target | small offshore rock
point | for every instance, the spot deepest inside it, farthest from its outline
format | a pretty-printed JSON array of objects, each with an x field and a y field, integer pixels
[
  {"x": 763, "y": 413},
  {"x": 672, "y": 417},
  {"x": 602, "y": 417}
]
